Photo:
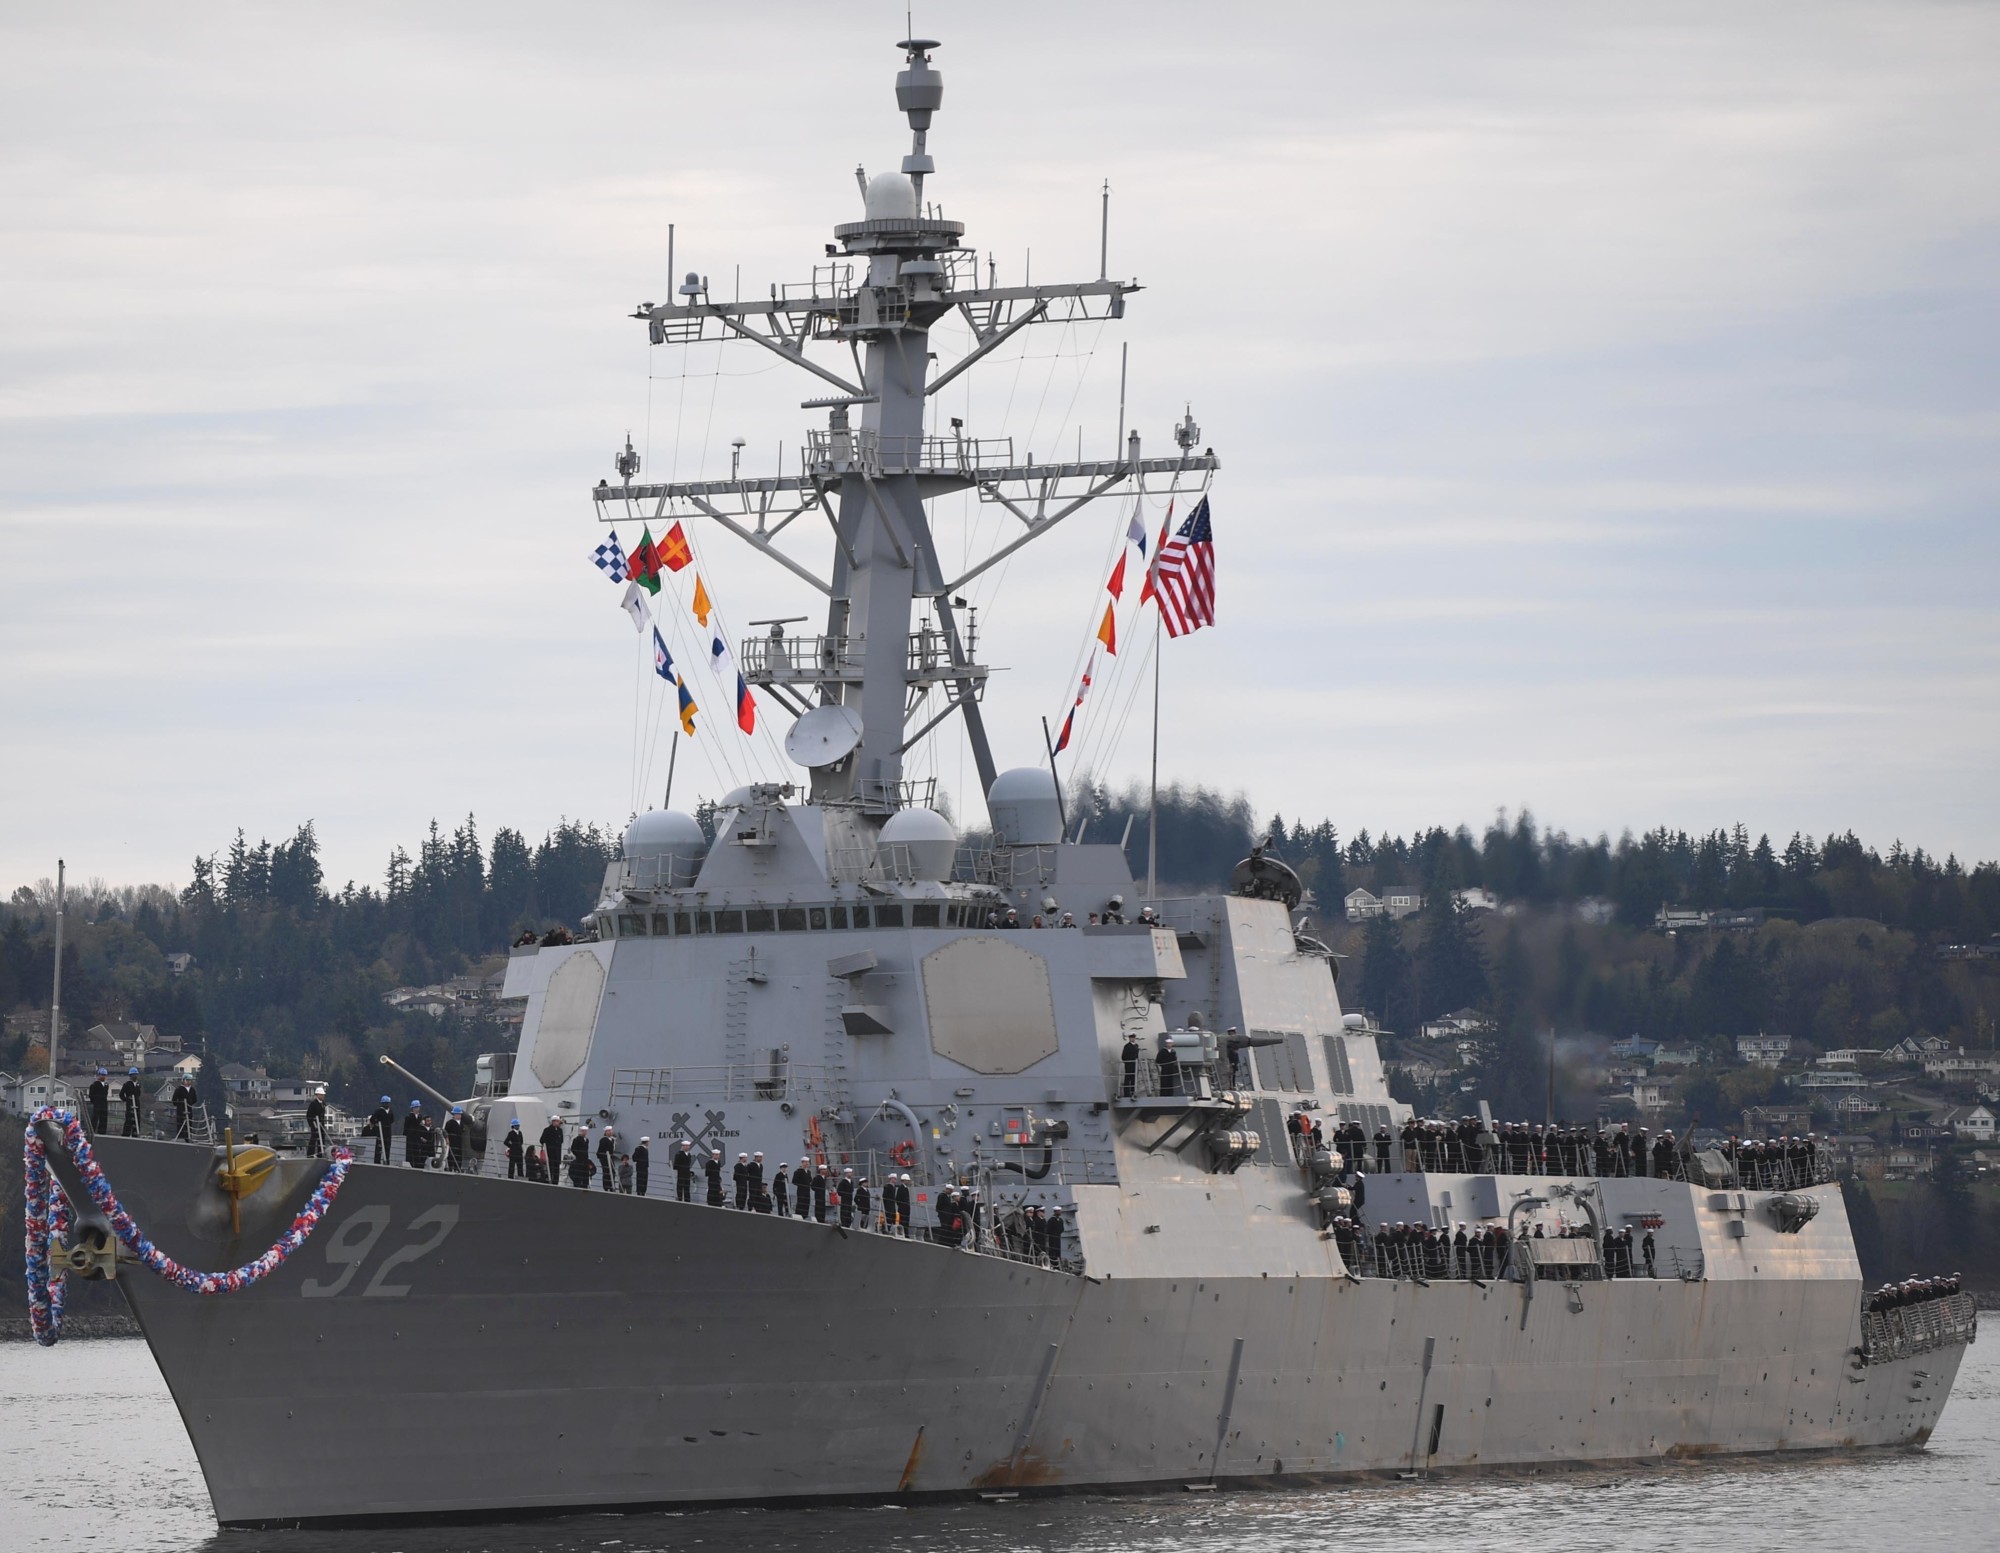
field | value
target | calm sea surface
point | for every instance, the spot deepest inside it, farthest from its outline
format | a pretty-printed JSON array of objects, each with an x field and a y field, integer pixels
[{"x": 92, "y": 1456}]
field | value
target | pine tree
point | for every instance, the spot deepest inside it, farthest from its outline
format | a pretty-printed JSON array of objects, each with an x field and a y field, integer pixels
[
  {"x": 1451, "y": 967},
  {"x": 1387, "y": 977}
]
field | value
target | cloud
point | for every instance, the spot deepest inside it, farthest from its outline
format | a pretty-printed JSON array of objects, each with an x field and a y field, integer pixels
[{"x": 1604, "y": 399}]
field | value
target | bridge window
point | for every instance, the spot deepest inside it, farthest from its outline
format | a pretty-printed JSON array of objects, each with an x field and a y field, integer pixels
[
  {"x": 758, "y": 919},
  {"x": 791, "y": 919}
]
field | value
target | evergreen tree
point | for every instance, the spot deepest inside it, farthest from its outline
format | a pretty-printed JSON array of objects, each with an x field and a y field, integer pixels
[
  {"x": 1451, "y": 966},
  {"x": 1388, "y": 976}
]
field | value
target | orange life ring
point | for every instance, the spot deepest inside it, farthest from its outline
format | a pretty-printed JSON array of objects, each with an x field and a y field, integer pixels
[{"x": 903, "y": 1155}]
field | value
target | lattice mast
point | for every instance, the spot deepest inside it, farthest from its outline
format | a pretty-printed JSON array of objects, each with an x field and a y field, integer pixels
[{"x": 888, "y": 279}]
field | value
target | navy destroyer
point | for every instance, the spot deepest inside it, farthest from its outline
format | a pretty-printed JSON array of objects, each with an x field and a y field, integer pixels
[{"x": 1130, "y": 1263}]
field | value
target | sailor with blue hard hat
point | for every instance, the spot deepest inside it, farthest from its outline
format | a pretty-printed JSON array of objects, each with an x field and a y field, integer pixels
[
  {"x": 100, "y": 1101},
  {"x": 131, "y": 1092},
  {"x": 380, "y": 1121},
  {"x": 516, "y": 1147},
  {"x": 454, "y": 1139},
  {"x": 416, "y": 1137}
]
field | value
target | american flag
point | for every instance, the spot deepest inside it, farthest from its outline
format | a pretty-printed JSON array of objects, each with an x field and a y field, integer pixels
[{"x": 1184, "y": 575}]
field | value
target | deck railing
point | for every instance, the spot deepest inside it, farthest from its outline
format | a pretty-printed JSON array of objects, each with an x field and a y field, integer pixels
[{"x": 1913, "y": 1329}]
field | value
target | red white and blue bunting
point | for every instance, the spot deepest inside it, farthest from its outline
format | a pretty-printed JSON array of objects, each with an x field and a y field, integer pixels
[{"x": 50, "y": 1218}]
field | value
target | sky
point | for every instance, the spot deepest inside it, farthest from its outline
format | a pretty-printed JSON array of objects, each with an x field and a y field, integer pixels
[{"x": 1606, "y": 400}]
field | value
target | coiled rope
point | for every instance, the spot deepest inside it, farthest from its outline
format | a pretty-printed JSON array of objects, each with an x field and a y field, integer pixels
[{"x": 50, "y": 1218}]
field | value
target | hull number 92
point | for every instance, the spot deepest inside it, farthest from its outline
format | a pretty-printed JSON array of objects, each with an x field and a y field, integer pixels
[{"x": 349, "y": 1247}]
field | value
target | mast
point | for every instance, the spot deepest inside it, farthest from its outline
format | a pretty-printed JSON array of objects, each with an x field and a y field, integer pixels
[
  {"x": 1153, "y": 800},
  {"x": 55, "y": 1002},
  {"x": 886, "y": 280}
]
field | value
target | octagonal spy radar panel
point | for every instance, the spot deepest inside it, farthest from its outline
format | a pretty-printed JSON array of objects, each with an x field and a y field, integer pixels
[
  {"x": 989, "y": 1004},
  {"x": 824, "y": 735},
  {"x": 569, "y": 1016}
]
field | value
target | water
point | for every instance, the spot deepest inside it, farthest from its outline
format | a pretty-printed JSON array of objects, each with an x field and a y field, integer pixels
[{"x": 93, "y": 1455}]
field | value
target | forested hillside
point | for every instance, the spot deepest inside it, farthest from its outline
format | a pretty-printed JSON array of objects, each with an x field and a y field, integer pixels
[
  {"x": 290, "y": 972},
  {"x": 293, "y": 974}
]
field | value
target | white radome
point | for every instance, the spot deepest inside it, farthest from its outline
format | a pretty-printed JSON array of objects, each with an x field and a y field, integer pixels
[
  {"x": 930, "y": 837},
  {"x": 1024, "y": 807}
]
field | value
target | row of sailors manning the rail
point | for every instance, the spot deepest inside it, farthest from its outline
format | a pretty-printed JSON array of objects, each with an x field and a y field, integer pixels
[
  {"x": 1912, "y": 1291},
  {"x": 132, "y": 1097},
  {"x": 1475, "y": 1147},
  {"x": 808, "y": 1192},
  {"x": 1475, "y": 1252}
]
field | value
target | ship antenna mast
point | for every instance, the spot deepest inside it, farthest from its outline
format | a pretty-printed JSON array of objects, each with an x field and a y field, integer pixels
[{"x": 872, "y": 685}]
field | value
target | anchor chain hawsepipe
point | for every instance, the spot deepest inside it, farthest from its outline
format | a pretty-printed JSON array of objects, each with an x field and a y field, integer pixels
[{"x": 50, "y": 1216}]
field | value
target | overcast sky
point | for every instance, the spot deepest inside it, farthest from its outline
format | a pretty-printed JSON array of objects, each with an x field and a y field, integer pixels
[{"x": 1606, "y": 400}]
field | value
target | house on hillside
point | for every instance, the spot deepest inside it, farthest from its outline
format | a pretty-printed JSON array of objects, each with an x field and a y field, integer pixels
[
  {"x": 1914, "y": 1049},
  {"x": 1904, "y": 1163},
  {"x": 1856, "y": 1104},
  {"x": 1971, "y": 1122},
  {"x": 179, "y": 962},
  {"x": 1845, "y": 1057},
  {"x": 1677, "y": 919},
  {"x": 1363, "y": 904},
  {"x": 1828, "y": 1078},
  {"x": 1402, "y": 900},
  {"x": 29, "y": 1092},
  {"x": 1737, "y": 920},
  {"x": 1652, "y": 1094},
  {"x": 1776, "y": 1121},
  {"x": 1677, "y": 1057},
  {"x": 1459, "y": 1023},
  {"x": 1962, "y": 1067},
  {"x": 1634, "y": 1046},
  {"x": 1764, "y": 1051},
  {"x": 245, "y": 1083},
  {"x": 1477, "y": 899}
]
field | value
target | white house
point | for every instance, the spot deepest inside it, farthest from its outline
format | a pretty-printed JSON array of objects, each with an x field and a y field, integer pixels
[
  {"x": 31, "y": 1091},
  {"x": 1675, "y": 919},
  {"x": 1828, "y": 1078},
  {"x": 1765, "y": 1051},
  {"x": 1361, "y": 905},
  {"x": 1913, "y": 1049},
  {"x": 1449, "y": 1027},
  {"x": 1477, "y": 899},
  {"x": 1968, "y": 1121},
  {"x": 1960, "y": 1065}
]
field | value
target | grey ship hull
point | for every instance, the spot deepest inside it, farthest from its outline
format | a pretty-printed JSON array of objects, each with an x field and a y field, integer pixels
[{"x": 560, "y": 1350}]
